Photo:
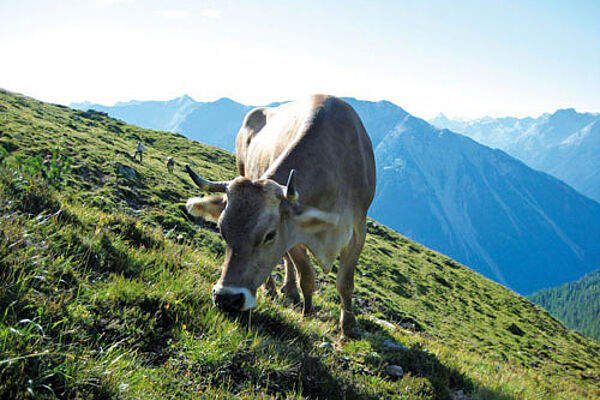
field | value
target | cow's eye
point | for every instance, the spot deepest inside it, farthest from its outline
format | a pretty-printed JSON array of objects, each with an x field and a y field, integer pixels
[{"x": 269, "y": 237}]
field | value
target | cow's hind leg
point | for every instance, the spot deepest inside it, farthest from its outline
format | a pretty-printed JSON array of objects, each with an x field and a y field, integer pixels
[
  {"x": 290, "y": 287},
  {"x": 345, "y": 281},
  {"x": 306, "y": 274}
]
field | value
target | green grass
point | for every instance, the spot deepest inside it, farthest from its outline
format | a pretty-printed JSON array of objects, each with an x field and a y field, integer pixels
[{"x": 104, "y": 292}]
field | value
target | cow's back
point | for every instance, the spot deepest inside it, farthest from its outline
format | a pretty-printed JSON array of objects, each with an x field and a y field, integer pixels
[{"x": 323, "y": 139}]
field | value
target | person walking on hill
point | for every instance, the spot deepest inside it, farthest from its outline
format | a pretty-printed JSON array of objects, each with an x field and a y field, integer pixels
[
  {"x": 170, "y": 164},
  {"x": 139, "y": 150}
]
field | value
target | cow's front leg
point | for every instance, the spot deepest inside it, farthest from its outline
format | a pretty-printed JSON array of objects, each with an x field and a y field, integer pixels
[
  {"x": 269, "y": 288},
  {"x": 290, "y": 287},
  {"x": 345, "y": 283},
  {"x": 307, "y": 276}
]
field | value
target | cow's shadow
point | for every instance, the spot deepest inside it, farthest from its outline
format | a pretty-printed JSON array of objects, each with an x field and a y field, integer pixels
[
  {"x": 316, "y": 380},
  {"x": 443, "y": 380},
  {"x": 309, "y": 375},
  {"x": 428, "y": 373}
]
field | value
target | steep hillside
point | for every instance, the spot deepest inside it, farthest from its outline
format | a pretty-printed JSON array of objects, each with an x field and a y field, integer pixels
[
  {"x": 521, "y": 227},
  {"x": 564, "y": 144},
  {"x": 577, "y": 304},
  {"x": 104, "y": 287}
]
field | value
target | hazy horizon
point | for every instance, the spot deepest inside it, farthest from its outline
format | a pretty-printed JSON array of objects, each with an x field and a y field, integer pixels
[
  {"x": 469, "y": 59},
  {"x": 451, "y": 117}
]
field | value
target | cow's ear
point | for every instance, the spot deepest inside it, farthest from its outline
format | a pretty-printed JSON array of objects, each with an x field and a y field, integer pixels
[
  {"x": 209, "y": 206},
  {"x": 312, "y": 219}
]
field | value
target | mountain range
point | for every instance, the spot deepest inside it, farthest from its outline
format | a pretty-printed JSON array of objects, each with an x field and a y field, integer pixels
[
  {"x": 488, "y": 210},
  {"x": 215, "y": 123},
  {"x": 565, "y": 144},
  {"x": 523, "y": 228}
]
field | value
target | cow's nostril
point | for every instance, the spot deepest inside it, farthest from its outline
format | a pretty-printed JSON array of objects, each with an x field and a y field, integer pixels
[
  {"x": 238, "y": 302},
  {"x": 229, "y": 302}
]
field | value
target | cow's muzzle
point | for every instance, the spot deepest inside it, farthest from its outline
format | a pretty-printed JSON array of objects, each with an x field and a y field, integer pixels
[
  {"x": 232, "y": 299},
  {"x": 229, "y": 302}
]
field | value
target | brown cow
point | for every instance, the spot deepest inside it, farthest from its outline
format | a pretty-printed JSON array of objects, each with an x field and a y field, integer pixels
[{"x": 322, "y": 208}]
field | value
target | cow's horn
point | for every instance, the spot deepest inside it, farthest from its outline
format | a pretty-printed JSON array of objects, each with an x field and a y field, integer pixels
[
  {"x": 290, "y": 189},
  {"x": 208, "y": 186}
]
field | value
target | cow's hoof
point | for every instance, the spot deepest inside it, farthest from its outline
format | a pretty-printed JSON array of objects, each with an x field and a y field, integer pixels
[
  {"x": 269, "y": 294},
  {"x": 292, "y": 296},
  {"x": 349, "y": 326},
  {"x": 348, "y": 335},
  {"x": 269, "y": 289},
  {"x": 307, "y": 311},
  {"x": 293, "y": 302}
]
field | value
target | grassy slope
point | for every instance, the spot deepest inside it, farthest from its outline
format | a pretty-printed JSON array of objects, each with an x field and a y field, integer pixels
[
  {"x": 109, "y": 298},
  {"x": 575, "y": 303}
]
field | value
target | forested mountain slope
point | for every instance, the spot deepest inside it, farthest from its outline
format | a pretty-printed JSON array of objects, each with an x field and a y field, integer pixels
[{"x": 577, "y": 304}]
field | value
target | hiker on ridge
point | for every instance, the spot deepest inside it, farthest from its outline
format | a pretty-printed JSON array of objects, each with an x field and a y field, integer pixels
[
  {"x": 170, "y": 164},
  {"x": 139, "y": 150}
]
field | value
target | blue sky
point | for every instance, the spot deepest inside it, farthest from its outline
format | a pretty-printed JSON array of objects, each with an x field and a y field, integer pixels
[{"x": 463, "y": 58}]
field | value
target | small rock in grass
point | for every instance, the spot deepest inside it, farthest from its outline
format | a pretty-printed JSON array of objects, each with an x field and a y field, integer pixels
[
  {"x": 409, "y": 326},
  {"x": 392, "y": 344},
  {"x": 382, "y": 322},
  {"x": 326, "y": 346},
  {"x": 124, "y": 170},
  {"x": 459, "y": 395},
  {"x": 345, "y": 363},
  {"x": 395, "y": 371}
]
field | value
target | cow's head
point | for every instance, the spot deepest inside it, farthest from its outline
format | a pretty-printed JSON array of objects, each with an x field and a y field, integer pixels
[{"x": 259, "y": 220}]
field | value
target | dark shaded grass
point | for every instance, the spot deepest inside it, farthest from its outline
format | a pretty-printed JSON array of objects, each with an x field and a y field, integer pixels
[
  {"x": 416, "y": 361},
  {"x": 310, "y": 376}
]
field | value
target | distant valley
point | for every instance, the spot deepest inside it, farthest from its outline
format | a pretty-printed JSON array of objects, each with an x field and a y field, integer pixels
[{"x": 565, "y": 144}]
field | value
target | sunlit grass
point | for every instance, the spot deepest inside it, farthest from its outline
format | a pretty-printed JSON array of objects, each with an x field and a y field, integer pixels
[{"x": 105, "y": 280}]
